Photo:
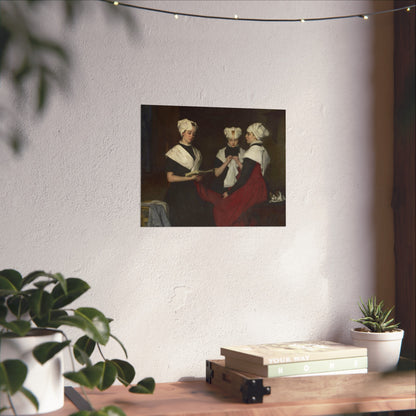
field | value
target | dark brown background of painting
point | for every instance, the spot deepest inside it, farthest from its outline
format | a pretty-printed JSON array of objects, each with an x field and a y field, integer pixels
[{"x": 159, "y": 133}]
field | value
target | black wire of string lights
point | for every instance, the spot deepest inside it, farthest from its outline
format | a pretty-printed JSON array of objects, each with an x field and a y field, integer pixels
[{"x": 364, "y": 16}]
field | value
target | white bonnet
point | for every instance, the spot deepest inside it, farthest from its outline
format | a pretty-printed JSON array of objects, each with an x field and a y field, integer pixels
[
  {"x": 258, "y": 130},
  {"x": 232, "y": 132},
  {"x": 186, "y": 124}
]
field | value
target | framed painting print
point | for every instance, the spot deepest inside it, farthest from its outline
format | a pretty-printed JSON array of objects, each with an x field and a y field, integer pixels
[{"x": 212, "y": 166}]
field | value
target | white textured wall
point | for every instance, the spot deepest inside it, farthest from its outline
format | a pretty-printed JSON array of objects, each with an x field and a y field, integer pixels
[{"x": 71, "y": 202}]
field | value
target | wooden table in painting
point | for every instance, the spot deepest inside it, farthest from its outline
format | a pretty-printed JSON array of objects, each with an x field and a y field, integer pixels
[{"x": 292, "y": 396}]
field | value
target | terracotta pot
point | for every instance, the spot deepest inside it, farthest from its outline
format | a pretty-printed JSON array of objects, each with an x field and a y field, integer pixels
[
  {"x": 383, "y": 348},
  {"x": 44, "y": 381}
]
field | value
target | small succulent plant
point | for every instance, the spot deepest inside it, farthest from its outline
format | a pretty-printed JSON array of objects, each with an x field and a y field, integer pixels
[{"x": 375, "y": 317}]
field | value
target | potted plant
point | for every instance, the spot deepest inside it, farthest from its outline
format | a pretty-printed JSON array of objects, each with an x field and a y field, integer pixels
[
  {"x": 35, "y": 309},
  {"x": 380, "y": 335}
]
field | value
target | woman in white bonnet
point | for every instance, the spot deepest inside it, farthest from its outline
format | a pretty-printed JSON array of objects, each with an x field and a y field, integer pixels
[
  {"x": 186, "y": 208},
  {"x": 250, "y": 187},
  {"x": 228, "y": 161}
]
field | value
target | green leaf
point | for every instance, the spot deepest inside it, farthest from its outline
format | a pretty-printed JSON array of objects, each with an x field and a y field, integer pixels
[
  {"x": 83, "y": 349},
  {"x": 18, "y": 305},
  {"x": 7, "y": 287},
  {"x": 52, "y": 279},
  {"x": 119, "y": 342},
  {"x": 12, "y": 375},
  {"x": 75, "y": 321},
  {"x": 98, "y": 328},
  {"x": 374, "y": 317},
  {"x": 108, "y": 374},
  {"x": 3, "y": 312},
  {"x": 18, "y": 327},
  {"x": 105, "y": 411},
  {"x": 82, "y": 357},
  {"x": 40, "y": 304},
  {"x": 62, "y": 281},
  {"x": 110, "y": 411},
  {"x": 83, "y": 413},
  {"x": 145, "y": 386},
  {"x": 50, "y": 45},
  {"x": 125, "y": 371},
  {"x": 30, "y": 396},
  {"x": 88, "y": 376},
  {"x": 13, "y": 276},
  {"x": 20, "y": 73},
  {"x": 70, "y": 11},
  {"x": 43, "y": 284},
  {"x": 45, "y": 351},
  {"x": 31, "y": 277},
  {"x": 55, "y": 316},
  {"x": 92, "y": 322},
  {"x": 389, "y": 312},
  {"x": 75, "y": 288},
  {"x": 43, "y": 89}
]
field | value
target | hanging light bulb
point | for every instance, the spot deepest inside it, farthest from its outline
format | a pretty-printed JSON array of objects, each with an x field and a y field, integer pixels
[
  {"x": 176, "y": 17},
  {"x": 115, "y": 3}
]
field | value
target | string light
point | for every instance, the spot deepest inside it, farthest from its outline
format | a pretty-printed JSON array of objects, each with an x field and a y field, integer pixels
[{"x": 245, "y": 19}]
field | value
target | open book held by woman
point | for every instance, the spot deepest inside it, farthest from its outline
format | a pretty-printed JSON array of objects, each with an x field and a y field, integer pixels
[{"x": 186, "y": 208}]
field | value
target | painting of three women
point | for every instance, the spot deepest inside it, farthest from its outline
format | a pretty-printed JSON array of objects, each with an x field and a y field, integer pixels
[{"x": 212, "y": 167}]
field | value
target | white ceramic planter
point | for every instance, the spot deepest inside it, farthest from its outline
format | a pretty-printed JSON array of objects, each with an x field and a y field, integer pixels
[
  {"x": 383, "y": 348},
  {"x": 44, "y": 381}
]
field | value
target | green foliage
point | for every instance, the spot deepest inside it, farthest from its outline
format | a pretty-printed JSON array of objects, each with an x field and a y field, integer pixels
[
  {"x": 44, "y": 352},
  {"x": 125, "y": 371},
  {"x": 105, "y": 411},
  {"x": 83, "y": 348},
  {"x": 375, "y": 317},
  {"x": 29, "y": 395},
  {"x": 146, "y": 386},
  {"x": 40, "y": 300},
  {"x": 12, "y": 375},
  {"x": 39, "y": 62}
]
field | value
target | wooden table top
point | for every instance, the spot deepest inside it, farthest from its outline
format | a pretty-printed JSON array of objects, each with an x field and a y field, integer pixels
[{"x": 198, "y": 398}]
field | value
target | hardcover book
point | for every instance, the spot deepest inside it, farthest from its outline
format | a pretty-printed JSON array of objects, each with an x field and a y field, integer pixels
[
  {"x": 315, "y": 367},
  {"x": 331, "y": 373},
  {"x": 292, "y": 352}
]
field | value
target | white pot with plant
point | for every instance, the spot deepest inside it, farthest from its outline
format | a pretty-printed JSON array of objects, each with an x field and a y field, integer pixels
[
  {"x": 44, "y": 381},
  {"x": 33, "y": 309},
  {"x": 380, "y": 335}
]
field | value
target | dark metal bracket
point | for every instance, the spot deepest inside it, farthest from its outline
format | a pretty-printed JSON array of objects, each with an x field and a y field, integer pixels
[
  {"x": 77, "y": 399},
  {"x": 209, "y": 372},
  {"x": 253, "y": 391}
]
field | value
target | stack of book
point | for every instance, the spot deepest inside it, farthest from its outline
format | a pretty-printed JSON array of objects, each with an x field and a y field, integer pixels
[{"x": 296, "y": 359}]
